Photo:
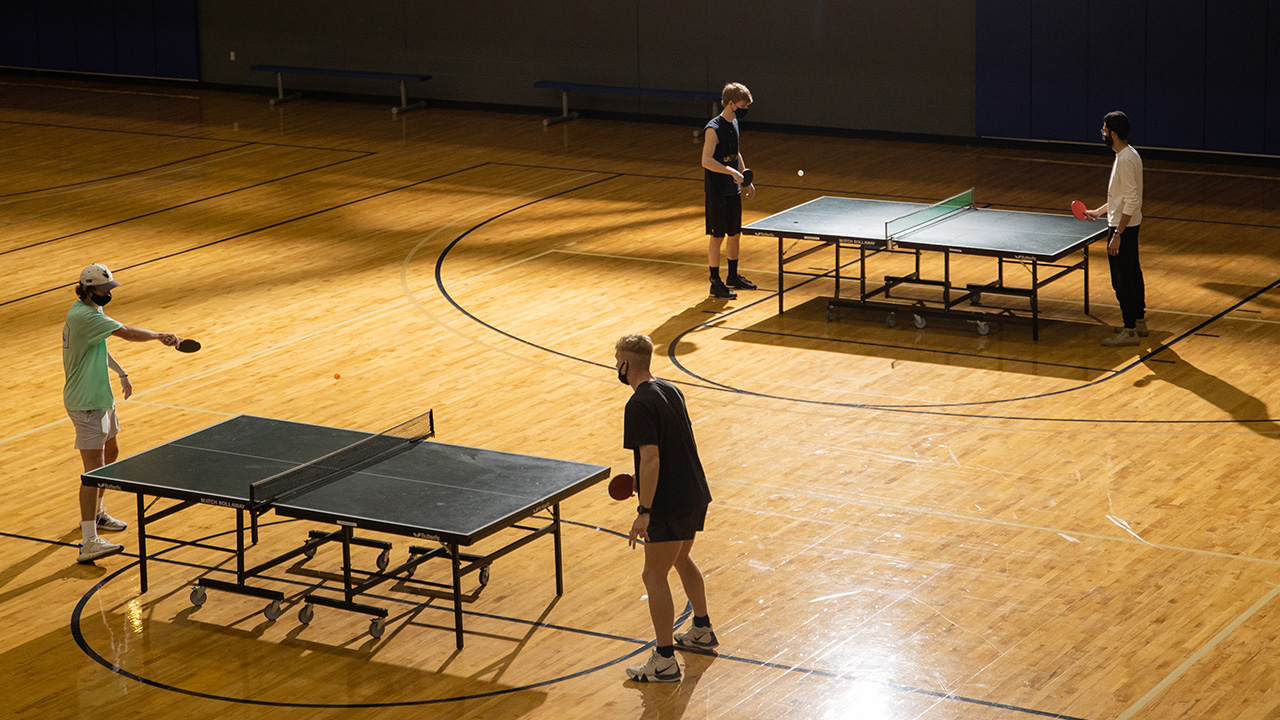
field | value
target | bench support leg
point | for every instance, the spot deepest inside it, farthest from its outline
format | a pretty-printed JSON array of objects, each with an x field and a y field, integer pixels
[
  {"x": 280, "y": 96},
  {"x": 404, "y": 103},
  {"x": 565, "y": 115}
]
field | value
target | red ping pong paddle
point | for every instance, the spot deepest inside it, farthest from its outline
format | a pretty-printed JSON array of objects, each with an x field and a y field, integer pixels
[
  {"x": 1078, "y": 209},
  {"x": 748, "y": 176},
  {"x": 188, "y": 345},
  {"x": 622, "y": 487}
]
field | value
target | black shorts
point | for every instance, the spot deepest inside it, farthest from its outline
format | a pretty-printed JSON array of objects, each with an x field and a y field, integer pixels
[
  {"x": 724, "y": 215},
  {"x": 666, "y": 527}
]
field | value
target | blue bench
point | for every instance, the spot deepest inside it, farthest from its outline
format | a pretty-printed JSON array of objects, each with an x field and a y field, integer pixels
[
  {"x": 565, "y": 87},
  {"x": 402, "y": 78}
]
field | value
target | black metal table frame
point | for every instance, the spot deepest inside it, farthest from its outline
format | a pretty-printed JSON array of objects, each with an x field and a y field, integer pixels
[
  {"x": 951, "y": 295},
  {"x": 462, "y": 563}
]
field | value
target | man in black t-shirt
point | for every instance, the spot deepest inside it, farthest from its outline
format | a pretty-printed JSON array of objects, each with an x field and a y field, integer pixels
[
  {"x": 673, "y": 505},
  {"x": 722, "y": 166}
]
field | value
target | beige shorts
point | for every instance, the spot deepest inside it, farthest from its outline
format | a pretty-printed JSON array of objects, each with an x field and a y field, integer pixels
[{"x": 94, "y": 427}]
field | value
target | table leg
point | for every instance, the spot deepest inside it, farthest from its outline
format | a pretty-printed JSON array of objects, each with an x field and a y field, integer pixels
[{"x": 142, "y": 544}]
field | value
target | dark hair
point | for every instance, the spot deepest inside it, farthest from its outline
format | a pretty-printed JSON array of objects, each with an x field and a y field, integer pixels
[
  {"x": 1118, "y": 123},
  {"x": 83, "y": 291}
]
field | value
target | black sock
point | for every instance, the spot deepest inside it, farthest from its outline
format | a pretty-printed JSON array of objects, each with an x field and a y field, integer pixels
[
  {"x": 733, "y": 268},
  {"x": 715, "y": 274},
  {"x": 702, "y": 621},
  {"x": 667, "y": 651}
]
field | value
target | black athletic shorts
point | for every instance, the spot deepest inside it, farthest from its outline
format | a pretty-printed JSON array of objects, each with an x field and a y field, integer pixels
[
  {"x": 665, "y": 527},
  {"x": 724, "y": 215}
]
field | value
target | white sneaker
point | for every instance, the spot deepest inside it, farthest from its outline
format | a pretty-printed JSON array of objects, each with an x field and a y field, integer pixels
[
  {"x": 1141, "y": 327},
  {"x": 97, "y": 548},
  {"x": 106, "y": 523},
  {"x": 700, "y": 638},
  {"x": 1124, "y": 337},
  {"x": 658, "y": 669}
]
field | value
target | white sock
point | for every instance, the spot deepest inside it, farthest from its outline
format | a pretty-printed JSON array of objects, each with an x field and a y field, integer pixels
[{"x": 89, "y": 529}]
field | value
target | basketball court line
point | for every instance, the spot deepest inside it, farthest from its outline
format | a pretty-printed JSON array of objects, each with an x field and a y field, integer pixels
[
  {"x": 72, "y": 88},
  {"x": 72, "y": 187},
  {"x": 186, "y": 204},
  {"x": 1196, "y": 656}
]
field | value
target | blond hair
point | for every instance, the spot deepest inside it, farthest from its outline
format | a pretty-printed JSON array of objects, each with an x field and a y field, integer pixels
[
  {"x": 638, "y": 346},
  {"x": 735, "y": 92}
]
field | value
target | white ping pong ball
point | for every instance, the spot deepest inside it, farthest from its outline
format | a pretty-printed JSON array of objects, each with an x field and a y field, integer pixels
[{"x": 800, "y": 173}]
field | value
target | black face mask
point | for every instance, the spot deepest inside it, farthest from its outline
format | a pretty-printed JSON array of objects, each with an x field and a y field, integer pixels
[
  {"x": 1106, "y": 140},
  {"x": 100, "y": 300},
  {"x": 740, "y": 113},
  {"x": 622, "y": 374}
]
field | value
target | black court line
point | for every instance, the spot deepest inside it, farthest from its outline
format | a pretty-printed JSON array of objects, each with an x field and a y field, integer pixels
[
  {"x": 643, "y": 645},
  {"x": 921, "y": 409},
  {"x": 171, "y": 135},
  {"x": 929, "y": 409},
  {"x": 126, "y": 174},
  {"x": 956, "y": 353},
  {"x": 185, "y": 204},
  {"x": 257, "y": 230}
]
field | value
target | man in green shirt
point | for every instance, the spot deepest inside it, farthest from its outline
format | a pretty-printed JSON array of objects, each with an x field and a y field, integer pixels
[{"x": 88, "y": 399}]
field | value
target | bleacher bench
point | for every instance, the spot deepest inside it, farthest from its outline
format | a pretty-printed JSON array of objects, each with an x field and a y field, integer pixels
[
  {"x": 566, "y": 87},
  {"x": 281, "y": 70}
]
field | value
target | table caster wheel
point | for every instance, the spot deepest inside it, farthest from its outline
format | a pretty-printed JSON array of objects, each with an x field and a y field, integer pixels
[
  {"x": 920, "y": 323},
  {"x": 983, "y": 328},
  {"x": 890, "y": 320},
  {"x": 831, "y": 313},
  {"x": 409, "y": 573},
  {"x": 273, "y": 610},
  {"x": 384, "y": 559},
  {"x": 484, "y": 576},
  {"x": 198, "y": 595},
  {"x": 377, "y": 627},
  {"x": 309, "y": 552},
  {"x": 307, "y": 613}
]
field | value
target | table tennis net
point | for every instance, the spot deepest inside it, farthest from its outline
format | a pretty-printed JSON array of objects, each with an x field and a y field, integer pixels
[
  {"x": 899, "y": 226},
  {"x": 343, "y": 462}
]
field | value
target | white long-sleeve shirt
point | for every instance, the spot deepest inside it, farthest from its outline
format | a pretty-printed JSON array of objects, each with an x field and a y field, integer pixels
[{"x": 1124, "y": 191}]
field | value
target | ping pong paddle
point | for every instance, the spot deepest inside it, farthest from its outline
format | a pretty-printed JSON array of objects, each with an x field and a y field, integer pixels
[
  {"x": 622, "y": 487},
  {"x": 1078, "y": 209},
  {"x": 748, "y": 175},
  {"x": 188, "y": 345}
]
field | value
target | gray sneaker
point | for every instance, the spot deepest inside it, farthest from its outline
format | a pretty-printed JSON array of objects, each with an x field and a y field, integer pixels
[
  {"x": 1141, "y": 327},
  {"x": 658, "y": 669},
  {"x": 106, "y": 523},
  {"x": 97, "y": 548},
  {"x": 699, "y": 638},
  {"x": 1124, "y": 337}
]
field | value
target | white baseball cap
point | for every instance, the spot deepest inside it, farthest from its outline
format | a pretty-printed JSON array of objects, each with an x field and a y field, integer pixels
[{"x": 97, "y": 275}]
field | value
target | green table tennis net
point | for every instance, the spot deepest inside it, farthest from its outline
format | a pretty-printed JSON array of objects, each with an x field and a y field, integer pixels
[{"x": 899, "y": 226}]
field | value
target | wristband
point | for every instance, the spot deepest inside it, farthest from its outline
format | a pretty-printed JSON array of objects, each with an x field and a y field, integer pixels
[{"x": 642, "y": 510}]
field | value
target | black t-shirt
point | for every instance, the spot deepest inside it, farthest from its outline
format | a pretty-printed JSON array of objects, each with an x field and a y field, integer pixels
[
  {"x": 656, "y": 415},
  {"x": 726, "y": 152}
]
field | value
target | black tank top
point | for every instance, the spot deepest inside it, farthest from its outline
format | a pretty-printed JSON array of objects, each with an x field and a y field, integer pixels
[{"x": 726, "y": 152}]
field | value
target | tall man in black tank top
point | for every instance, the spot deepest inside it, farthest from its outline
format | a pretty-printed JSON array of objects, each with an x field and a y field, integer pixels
[
  {"x": 673, "y": 505},
  {"x": 722, "y": 180}
]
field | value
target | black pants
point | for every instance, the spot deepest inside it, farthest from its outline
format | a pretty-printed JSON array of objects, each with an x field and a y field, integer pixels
[{"x": 1126, "y": 278}]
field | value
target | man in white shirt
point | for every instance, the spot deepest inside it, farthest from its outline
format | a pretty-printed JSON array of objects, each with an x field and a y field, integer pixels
[{"x": 1124, "y": 214}]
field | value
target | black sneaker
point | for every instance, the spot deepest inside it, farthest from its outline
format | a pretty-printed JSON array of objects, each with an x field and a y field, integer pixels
[
  {"x": 737, "y": 281},
  {"x": 722, "y": 291}
]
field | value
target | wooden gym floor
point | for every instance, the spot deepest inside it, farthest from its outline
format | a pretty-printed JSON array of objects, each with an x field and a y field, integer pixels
[{"x": 907, "y": 523}]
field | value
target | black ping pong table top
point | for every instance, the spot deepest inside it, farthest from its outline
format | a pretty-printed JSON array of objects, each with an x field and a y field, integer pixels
[{"x": 434, "y": 490}]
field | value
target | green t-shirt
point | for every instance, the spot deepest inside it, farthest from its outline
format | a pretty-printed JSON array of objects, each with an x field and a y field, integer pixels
[{"x": 84, "y": 358}]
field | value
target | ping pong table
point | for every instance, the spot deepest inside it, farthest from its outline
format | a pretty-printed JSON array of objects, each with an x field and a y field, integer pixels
[
  {"x": 396, "y": 483},
  {"x": 955, "y": 225}
]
